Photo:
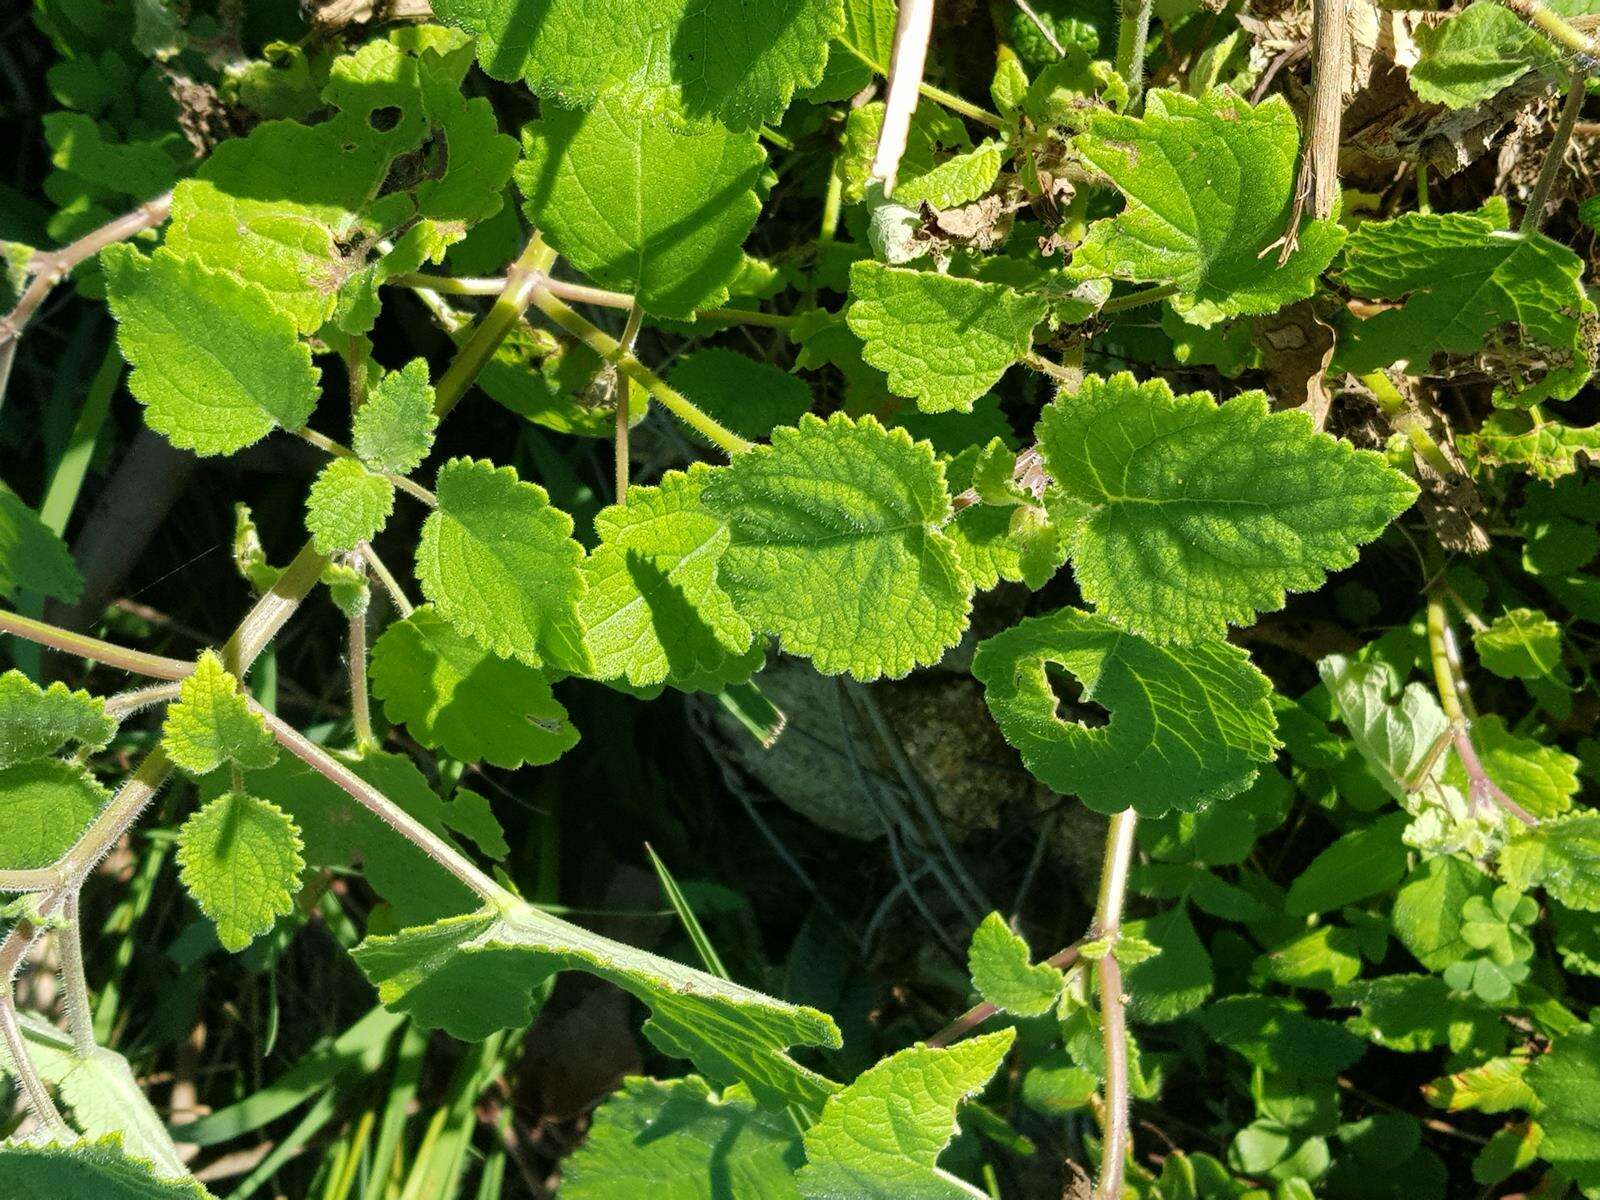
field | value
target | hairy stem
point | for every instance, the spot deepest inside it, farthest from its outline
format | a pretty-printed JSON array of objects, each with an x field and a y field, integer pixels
[
  {"x": 1404, "y": 420},
  {"x": 1137, "y": 299},
  {"x": 328, "y": 446},
  {"x": 360, "y": 701},
  {"x": 33, "y": 1089},
  {"x": 577, "y": 293},
  {"x": 521, "y": 282},
  {"x": 1133, "y": 33},
  {"x": 386, "y": 577},
  {"x": 608, "y": 348},
  {"x": 912, "y": 29},
  {"x": 979, "y": 1013},
  {"x": 1554, "y": 27},
  {"x": 386, "y": 810},
  {"x": 124, "y": 704},
  {"x": 630, "y": 334},
  {"x": 1113, "y": 1013},
  {"x": 1550, "y": 168},
  {"x": 1454, "y": 698},
  {"x": 137, "y": 661},
  {"x": 80, "y": 1016},
  {"x": 53, "y": 266}
]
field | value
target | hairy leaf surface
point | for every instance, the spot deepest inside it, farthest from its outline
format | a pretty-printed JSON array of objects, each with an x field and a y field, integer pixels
[
  {"x": 1003, "y": 974},
  {"x": 643, "y": 205},
  {"x": 881, "y": 1137},
  {"x": 836, "y": 549},
  {"x": 1188, "y": 726},
  {"x": 474, "y": 974},
  {"x": 36, "y": 722},
  {"x": 499, "y": 563},
  {"x": 239, "y": 856},
  {"x": 1202, "y": 515},
  {"x": 455, "y": 696},
  {"x": 721, "y": 58},
  {"x": 393, "y": 430},
  {"x": 674, "y": 1140},
  {"x": 942, "y": 340},
  {"x": 347, "y": 505},
  {"x": 654, "y": 610},
  {"x": 215, "y": 364},
  {"x": 44, "y": 806},
  {"x": 211, "y": 723},
  {"x": 1209, "y": 182}
]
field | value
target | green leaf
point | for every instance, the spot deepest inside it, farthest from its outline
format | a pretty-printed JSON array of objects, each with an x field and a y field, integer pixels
[
  {"x": 999, "y": 962},
  {"x": 1566, "y": 1081},
  {"x": 211, "y": 723},
  {"x": 393, "y": 431},
  {"x": 1362, "y": 863},
  {"x": 748, "y": 396},
  {"x": 1546, "y": 449},
  {"x": 836, "y": 548},
  {"x": 340, "y": 833},
  {"x": 1494, "y": 1086},
  {"x": 32, "y": 557},
  {"x": 1470, "y": 57},
  {"x": 474, "y": 974},
  {"x": 643, "y": 205},
  {"x": 347, "y": 505},
  {"x": 1276, "y": 1035},
  {"x": 673, "y": 1140},
  {"x": 104, "y": 1097},
  {"x": 654, "y": 609},
  {"x": 942, "y": 340},
  {"x": 499, "y": 563},
  {"x": 296, "y": 209},
  {"x": 87, "y": 1170},
  {"x": 1188, "y": 726},
  {"x": 1520, "y": 644},
  {"x": 1203, "y": 515},
  {"x": 1209, "y": 182},
  {"x": 1513, "y": 302},
  {"x": 44, "y": 806},
  {"x": 1326, "y": 957},
  {"x": 1178, "y": 979},
  {"x": 956, "y": 181},
  {"x": 36, "y": 722},
  {"x": 881, "y": 1137},
  {"x": 455, "y": 696},
  {"x": 1394, "y": 738},
  {"x": 718, "y": 58},
  {"x": 240, "y": 859},
  {"x": 1561, "y": 855},
  {"x": 215, "y": 364},
  {"x": 1427, "y": 909},
  {"x": 1413, "y": 1013}
]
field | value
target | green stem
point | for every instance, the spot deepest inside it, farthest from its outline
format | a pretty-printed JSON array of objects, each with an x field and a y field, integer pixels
[
  {"x": 83, "y": 646},
  {"x": 832, "y": 207},
  {"x": 1552, "y": 26},
  {"x": 746, "y": 316},
  {"x": 611, "y": 350},
  {"x": 1107, "y": 927},
  {"x": 386, "y": 810},
  {"x": 1133, "y": 33},
  {"x": 328, "y": 446},
  {"x": 1403, "y": 420},
  {"x": 1550, "y": 168},
  {"x": 360, "y": 701},
  {"x": 630, "y": 334},
  {"x": 937, "y": 94},
  {"x": 522, "y": 280},
  {"x": 1440, "y": 657},
  {"x": 1138, "y": 299},
  {"x": 386, "y": 577}
]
